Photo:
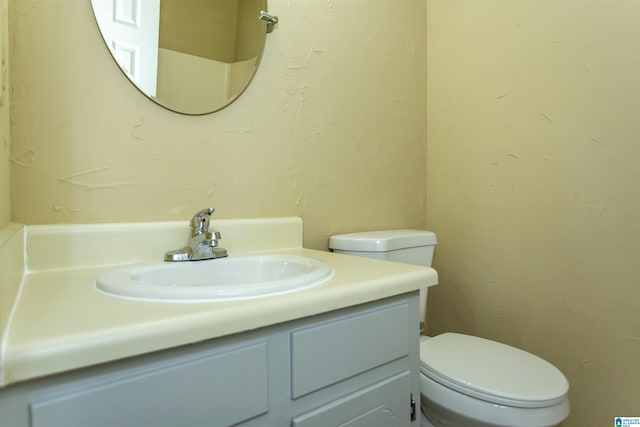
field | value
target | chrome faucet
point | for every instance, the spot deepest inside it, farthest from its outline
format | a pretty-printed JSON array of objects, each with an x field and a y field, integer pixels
[{"x": 203, "y": 243}]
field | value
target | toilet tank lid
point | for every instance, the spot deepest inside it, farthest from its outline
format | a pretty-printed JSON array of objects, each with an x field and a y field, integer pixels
[{"x": 382, "y": 240}]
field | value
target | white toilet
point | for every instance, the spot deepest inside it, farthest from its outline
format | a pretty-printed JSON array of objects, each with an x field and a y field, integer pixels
[{"x": 468, "y": 381}]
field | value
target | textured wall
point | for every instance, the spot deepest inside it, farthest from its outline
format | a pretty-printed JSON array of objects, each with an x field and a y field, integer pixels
[
  {"x": 4, "y": 115},
  {"x": 332, "y": 128},
  {"x": 533, "y": 186}
]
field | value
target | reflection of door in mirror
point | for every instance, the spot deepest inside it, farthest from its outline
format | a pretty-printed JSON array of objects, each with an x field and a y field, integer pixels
[
  {"x": 130, "y": 29},
  {"x": 206, "y": 51}
]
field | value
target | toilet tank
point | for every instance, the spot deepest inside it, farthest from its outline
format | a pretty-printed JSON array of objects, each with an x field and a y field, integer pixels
[{"x": 408, "y": 246}]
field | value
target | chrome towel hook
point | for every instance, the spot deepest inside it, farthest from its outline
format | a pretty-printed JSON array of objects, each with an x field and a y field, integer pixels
[{"x": 271, "y": 20}]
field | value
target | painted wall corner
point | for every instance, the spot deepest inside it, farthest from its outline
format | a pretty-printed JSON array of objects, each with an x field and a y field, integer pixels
[{"x": 5, "y": 131}]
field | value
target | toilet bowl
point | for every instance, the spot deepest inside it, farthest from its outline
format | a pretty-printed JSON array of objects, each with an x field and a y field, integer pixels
[{"x": 468, "y": 381}]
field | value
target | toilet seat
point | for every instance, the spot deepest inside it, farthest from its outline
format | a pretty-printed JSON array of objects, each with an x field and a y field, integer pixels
[{"x": 491, "y": 371}]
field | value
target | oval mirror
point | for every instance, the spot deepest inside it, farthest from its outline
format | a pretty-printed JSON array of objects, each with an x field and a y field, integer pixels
[{"x": 190, "y": 56}]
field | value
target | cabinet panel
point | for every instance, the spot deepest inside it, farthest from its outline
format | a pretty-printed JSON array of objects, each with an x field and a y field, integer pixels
[
  {"x": 325, "y": 354},
  {"x": 384, "y": 404},
  {"x": 219, "y": 389}
]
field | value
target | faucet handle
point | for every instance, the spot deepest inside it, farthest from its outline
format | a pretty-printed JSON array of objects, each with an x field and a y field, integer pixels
[
  {"x": 200, "y": 221},
  {"x": 212, "y": 238}
]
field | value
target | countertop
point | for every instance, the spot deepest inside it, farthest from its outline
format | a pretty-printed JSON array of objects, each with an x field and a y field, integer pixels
[{"x": 60, "y": 322}]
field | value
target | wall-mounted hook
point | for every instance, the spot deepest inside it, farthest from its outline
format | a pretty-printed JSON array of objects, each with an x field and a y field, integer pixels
[{"x": 271, "y": 20}]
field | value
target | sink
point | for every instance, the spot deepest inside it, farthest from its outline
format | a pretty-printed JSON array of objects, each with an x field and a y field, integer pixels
[{"x": 221, "y": 279}]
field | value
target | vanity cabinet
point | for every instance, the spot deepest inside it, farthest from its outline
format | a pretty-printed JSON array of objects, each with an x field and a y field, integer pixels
[{"x": 351, "y": 367}]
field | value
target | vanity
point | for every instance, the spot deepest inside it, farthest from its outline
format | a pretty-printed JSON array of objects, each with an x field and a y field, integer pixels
[{"x": 343, "y": 352}]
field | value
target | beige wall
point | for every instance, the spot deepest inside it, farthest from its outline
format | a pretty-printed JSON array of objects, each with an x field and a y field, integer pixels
[
  {"x": 4, "y": 115},
  {"x": 209, "y": 35},
  {"x": 207, "y": 85},
  {"x": 249, "y": 37},
  {"x": 533, "y": 186},
  {"x": 331, "y": 129}
]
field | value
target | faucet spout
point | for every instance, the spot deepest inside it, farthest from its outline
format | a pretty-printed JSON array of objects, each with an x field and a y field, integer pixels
[
  {"x": 200, "y": 221},
  {"x": 203, "y": 243}
]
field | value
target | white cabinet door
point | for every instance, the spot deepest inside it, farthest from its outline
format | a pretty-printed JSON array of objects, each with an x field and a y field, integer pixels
[
  {"x": 373, "y": 338},
  {"x": 384, "y": 404},
  {"x": 222, "y": 388}
]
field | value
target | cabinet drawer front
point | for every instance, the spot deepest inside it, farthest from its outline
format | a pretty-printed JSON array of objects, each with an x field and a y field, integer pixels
[
  {"x": 383, "y": 404},
  {"x": 319, "y": 355},
  {"x": 218, "y": 389}
]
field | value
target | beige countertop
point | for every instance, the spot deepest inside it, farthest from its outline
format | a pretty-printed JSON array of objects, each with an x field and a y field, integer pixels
[{"x": 58, "y": 321}]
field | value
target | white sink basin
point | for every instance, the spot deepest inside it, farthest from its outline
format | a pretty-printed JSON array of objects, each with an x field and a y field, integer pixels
[{"x": 219, "y": 279}]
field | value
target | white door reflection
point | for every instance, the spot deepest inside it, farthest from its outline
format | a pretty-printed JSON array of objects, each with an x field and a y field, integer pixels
[{"x": 130, "y": 29}]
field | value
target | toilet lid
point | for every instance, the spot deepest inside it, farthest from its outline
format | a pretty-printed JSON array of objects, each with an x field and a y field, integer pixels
[{"x": 491, "y": 371}]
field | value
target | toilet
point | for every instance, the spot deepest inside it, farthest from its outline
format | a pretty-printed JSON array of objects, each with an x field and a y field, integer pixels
[{"x": 467, "y": 381}]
